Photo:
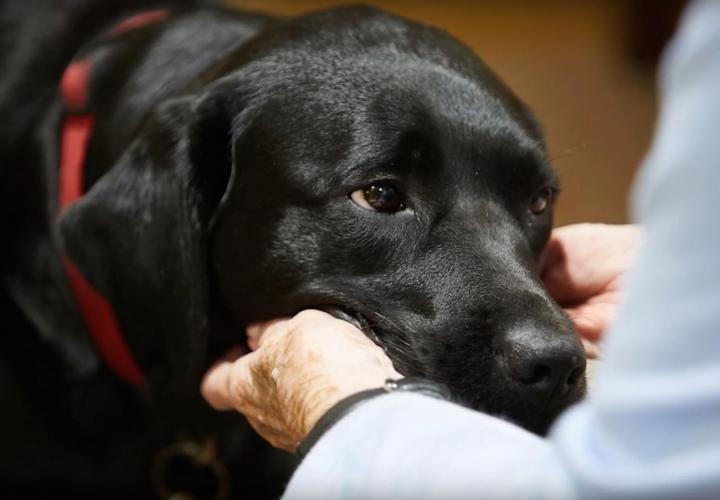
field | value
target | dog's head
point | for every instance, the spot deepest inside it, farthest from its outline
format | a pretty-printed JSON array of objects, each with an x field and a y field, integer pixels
[{"x": 352, "y": 161}]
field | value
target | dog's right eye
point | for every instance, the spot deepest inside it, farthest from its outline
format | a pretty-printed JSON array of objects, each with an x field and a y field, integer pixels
[
  {"x": 380, "y": 196},
  {"x": 542, "y": 200}
]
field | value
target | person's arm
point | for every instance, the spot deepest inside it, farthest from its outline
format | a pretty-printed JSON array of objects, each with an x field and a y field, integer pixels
[{"x": 651, "y": 428}]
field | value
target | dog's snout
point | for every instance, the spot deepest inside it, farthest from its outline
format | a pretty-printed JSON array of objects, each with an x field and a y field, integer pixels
[{"x": 549, "y": 364}]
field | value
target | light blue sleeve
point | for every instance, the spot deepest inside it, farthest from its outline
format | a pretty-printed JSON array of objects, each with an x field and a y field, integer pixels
[{"x": 651, "y": 427}]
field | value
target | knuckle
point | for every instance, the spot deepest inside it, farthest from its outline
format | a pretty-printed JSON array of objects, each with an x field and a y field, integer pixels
[{"x": 308, "y": 315}]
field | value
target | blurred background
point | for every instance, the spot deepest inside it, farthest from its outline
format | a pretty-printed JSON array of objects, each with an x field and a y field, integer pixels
[{"x": 586, "y": 68}]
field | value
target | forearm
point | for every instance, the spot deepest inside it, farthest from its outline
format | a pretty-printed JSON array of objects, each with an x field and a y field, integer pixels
[{"x": 394, "y": 447}]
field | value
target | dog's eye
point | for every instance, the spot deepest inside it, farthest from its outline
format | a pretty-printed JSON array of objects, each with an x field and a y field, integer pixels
[
  {"x": 381, "y": 196},
  {"x": 542, "y": 200}
]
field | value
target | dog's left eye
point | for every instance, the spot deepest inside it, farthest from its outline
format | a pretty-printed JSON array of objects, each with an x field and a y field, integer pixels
[
  {"x": 380, "y": 196},
  {"x": 542, "y": 200}
]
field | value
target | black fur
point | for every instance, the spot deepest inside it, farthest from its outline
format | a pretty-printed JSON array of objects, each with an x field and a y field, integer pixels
[{"x": 218, "y": 182}]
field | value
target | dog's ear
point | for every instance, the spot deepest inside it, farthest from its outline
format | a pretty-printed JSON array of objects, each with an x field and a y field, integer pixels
[{"x": 139, "y": 235}]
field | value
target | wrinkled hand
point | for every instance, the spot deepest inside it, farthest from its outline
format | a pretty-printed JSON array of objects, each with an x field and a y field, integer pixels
[
  {"x": 583, "y": 269},
  {"x": 299, "y": 369}
]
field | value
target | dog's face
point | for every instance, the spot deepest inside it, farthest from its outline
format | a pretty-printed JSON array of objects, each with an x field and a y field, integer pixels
[
  {"x": 376, "y": 169},
  {"x": 415, "y": 198}
]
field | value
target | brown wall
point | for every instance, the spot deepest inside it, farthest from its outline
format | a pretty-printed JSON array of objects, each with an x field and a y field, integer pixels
[{"x": 569, "y": 61}]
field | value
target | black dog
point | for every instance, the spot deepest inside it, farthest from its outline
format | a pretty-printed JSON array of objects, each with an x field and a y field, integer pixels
[{"x": 243, "y": 168}]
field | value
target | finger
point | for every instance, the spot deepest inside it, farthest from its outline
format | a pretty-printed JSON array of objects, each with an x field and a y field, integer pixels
[
  {"x": 592, "y": 351},
  {"x": 552, "y": 254},
  {"x": 214, "y": 386},
  {"x": 256, "y": 331},
  {"x": 554, "y": 260},
  {"x": 223, "y": 384},
  {"x": 592, "y": 320},
  {"x": 218, "y": 370}
]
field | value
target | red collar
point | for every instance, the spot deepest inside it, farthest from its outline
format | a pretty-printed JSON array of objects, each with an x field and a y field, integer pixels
[{"x": 100, "y": 319}]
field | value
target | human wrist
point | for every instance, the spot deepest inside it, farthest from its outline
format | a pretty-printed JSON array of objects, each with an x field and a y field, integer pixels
[
  {"x": 339, "y": 389},
  {"x": 348, "y": 404}
]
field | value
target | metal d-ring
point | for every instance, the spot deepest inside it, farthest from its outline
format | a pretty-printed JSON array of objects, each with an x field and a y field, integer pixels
[{"x": 200, "y": 454}]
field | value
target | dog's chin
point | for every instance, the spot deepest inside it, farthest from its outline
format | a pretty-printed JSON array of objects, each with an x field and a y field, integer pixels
[
  {"x": 541, "y": 424},
  {"x": 537, "y": 424},
  {"x": 535, "y": 417}
]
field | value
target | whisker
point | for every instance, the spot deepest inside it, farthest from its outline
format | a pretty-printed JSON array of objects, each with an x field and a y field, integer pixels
[
  {"x": 396, "y": 327},
  {"x": 398, "y": 345}
]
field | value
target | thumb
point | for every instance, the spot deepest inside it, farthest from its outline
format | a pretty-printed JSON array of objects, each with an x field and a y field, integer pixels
[{"x": 222, "y": 385}]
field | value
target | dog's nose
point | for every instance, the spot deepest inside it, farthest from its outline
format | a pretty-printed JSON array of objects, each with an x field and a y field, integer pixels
[{"x": 550, "y": 364}]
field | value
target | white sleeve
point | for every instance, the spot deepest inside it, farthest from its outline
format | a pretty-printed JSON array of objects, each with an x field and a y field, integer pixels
[{"x": 651, "y": 426}]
